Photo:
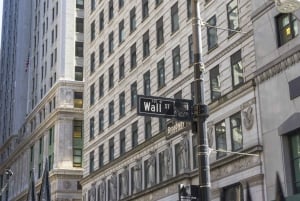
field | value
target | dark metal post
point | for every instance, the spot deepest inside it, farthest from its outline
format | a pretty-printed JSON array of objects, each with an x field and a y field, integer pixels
[{"x": 200, "y": 109}]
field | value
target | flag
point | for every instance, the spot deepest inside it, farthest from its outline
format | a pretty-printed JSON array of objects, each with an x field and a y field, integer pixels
[
  {"x": 248, "y": 193},
  {"x": 31, "y": 195},
  {"x": 45, "y": 186},
  {"x": 279, "y": 196}
]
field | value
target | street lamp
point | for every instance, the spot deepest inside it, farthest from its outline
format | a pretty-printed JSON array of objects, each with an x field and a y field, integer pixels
[{"x": 200, "y": 109}]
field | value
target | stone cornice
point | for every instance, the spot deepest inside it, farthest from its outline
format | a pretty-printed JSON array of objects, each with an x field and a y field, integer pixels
[
  {"x": 278, "y": 65},
  {"x": 262, "y": 10}
]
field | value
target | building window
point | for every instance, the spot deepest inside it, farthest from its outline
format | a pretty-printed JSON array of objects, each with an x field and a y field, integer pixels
[
  {"x": 92, "y": 63},
  {"x": 92, "y": 128},
  {"x": 145, "y": 9},
  {"x": 236, "y": 132},
  {"x": 212, "y": 37},
  {"x": 111, "y": 149},
  {"x": 149, "y": 172},
  {"x": 92, "y": 30},
  {"x": 79, "y": 25},
  {"x": 80, "y": 4},
  {"x": 178, "y": 164},
  {"x": 121, "y": 67},
  {"x": 93, "y": 5},
  {"x": 101, "y": 156},
  {"x": 101, "y": 20},
  {"x": 287, "y": 28},
  {"x": 294, "y": 144},
  {"x": 122, "y": 142},
  {"x": 111, "y": 111},
  {"x": 133, "y": 89},
  {"x": 134, "y": 134},
  {"x": 101, "y": 86},
  {"x": 111, "y": 77},
  {"x": 146, "y": 44},
  {"x": 121, "y": 31},
  {"x": 148, "y": 128},
  {"x": 132, "y": 20},
  {"x": 237, "y": 68},
  {"x": 174, "y": 18},
  {"x": 121, "y": 4},
  {"x": 92, "y": 94},
  {"x": 92, "y": 160},
  {"x": 215, "y": 88},
  {"x": 178, "y": 95},
  {"x": 220, "y": 132},
  {"x": 133, "y": 58},
  {"x": 233, "y": 192},
  {"x": 101, "y": 121},
  {"x": 78, "y": 101},
  {"x": 232, "y": 16},
  {"x": 161, "y": 166},
  {"x": 195, "y": 151},
  {"x": 176, "y": 61},
  {"x": 111, "y": 10},
  {"x": 147, "y": 84},
  {"x": 111, "y": 42},
  {"x": 159, "y": 32},
  {"x": 161, "y": 74},
  {"x": 77, "y": 143},
  {"x": 162, "y": 124},
  {"x": 189, "y": 8},
  {"x": 101, "y": 53},
  {"x": 79, "y": 49},
  {"x": 191, "y": 51},
  {"x": 78, "y": 73},
  {"x": 122, "y": 104}
]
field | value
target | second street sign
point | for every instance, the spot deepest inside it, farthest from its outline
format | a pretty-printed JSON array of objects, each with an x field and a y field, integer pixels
[{"x": 164, "y": 107}]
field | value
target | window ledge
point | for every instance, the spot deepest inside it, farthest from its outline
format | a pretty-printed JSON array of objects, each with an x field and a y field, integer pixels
[{"x": 212, "y": 49}]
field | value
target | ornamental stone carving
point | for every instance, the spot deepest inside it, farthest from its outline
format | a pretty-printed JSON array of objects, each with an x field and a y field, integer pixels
[{"x": 248, "y": 119}]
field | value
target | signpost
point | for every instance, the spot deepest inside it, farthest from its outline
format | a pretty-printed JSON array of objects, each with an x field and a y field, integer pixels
[{"x": 180, "y": 109}]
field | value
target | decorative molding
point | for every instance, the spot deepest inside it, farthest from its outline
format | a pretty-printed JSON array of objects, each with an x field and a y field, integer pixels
[{"x": 275, "y": 67}]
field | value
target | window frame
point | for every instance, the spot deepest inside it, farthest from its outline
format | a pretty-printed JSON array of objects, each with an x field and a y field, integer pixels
[{"x": 174, "y": 18}]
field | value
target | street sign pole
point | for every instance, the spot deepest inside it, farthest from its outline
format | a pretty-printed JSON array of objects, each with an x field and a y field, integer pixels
[{"x": 200, "y": 109}]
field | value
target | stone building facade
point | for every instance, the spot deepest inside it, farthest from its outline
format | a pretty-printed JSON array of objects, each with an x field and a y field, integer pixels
[
  {"x": 51, "y": 97},
  {"x": 145, "y": 48}
]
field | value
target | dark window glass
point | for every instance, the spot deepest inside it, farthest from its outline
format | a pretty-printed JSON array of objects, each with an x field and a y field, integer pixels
[
  {"x": 101, "y": 121},
  {"x": 157, "y": 2},
  {"x": 237, "y": 68},
  {"x": 92, "y": 63},
  {"x": 162, "y": 124},
  {"x": 159, "y": 32},
  {"x": 287, "y": 28},
  {"x": 121, "y": 3},
  {"x": 111, "y": 149},
  {"x": 101, "y": 20},
  {"x": 122, "y": 104},
  {"x": 233, "y": 192},
  {"x": 294, "y": 144},
  {"x": 101, "y": 86},
  {"x": 132, "y": 20},
  {"x": 174, "y": 18},
  {"x": 101, "y": 53},
  {"x": 92, "y": 128},
  {"x": 92, "y": 161},
  {"x": 191, "y": 51},
  {"x": 79, "y": 25},
  {"x": 236, "y": 132},
  {"x": 189, "y": 8},
  {"x": 148, "y": 127},
  {"x": 134, "y": 134},
  {"x": 133, "y": 58},
  {"x": 111, "y": 112},
  {"x": 145, "y": 9},
  {"x": 79, "y": 49},
  {"x": 78, "y": 99},
  {"x": 146, "y": 44},
  {"x": 78, "y": 73},
  {"x": 133, "y": 94},
  {"x": 93, "y": 5},
  {"x": 121, "y": 31},
  {"x": 80, "y": 4},
  {"x": 92, "y": 94},
  {"x": 111, "y": 77},
  {"x": 92, "y": 30},
  {"x": 121, "y": 67},
  {"x": 212, "y": 37},
  {"x": 147, "y": 84},
  {"x": 232, "y": 16},
  {"x": 101, "y": 156},
  {"x": 176, "y": 61},
  {"x": 122, "y": 142},
  {"x": 215, "y": 88},
  {"x": 220, "y": 132},
  {"x": 111, "y": 42},
  {"x": 161, "y": 74},
  {"x": 111, "y": 10}
]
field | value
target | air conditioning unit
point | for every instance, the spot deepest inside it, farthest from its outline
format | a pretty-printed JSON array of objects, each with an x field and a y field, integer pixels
[{"x": 287, "y": 6}]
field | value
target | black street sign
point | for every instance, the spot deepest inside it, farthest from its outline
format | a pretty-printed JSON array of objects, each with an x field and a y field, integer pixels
[{"x": 164, "y": 107}]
